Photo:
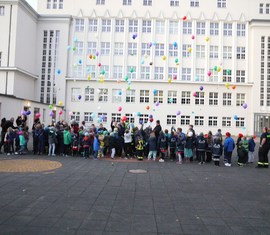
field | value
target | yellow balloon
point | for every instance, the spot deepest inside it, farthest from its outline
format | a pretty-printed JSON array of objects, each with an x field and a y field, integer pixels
[
  {"x": 189, "y": 49},
  {"x": 88, "y": 77},
  {"x": 218, "y": 69},
  {"x": 170, "y": 80},
  {"x": 61, "y": 103},
  {"x": 207, "y": 39},
  {"x": 164, "y": 57}
]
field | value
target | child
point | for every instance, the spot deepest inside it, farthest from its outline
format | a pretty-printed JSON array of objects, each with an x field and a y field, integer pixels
[
  {"x": 217, "y": 150},
  {"x": 188, "y": 150},
  {"x": 251, "y": 149},
  {"x": 51, "y": 141},
  {"x": 228, "y": 149},
  {"x": 127, "y": 143},
  {"x": 67, "y": 141},
  {"x": 162, "y": 145},
  {"x": 96, "y": 147},
  {"x": 22, "y": 142},
  {"x": 139, "y": 147},
  {"x": 181, "y": 140},
  {"x": 152, "y": 142},
  {"x": 86, "y": 143},
  {"x": 102, "y": 144},
  {"x": 201, "y": 145},
  {"x": 242, "y": 151},
  {"x": 9, "y": 141},
  {"x": 172, "y": 143}
]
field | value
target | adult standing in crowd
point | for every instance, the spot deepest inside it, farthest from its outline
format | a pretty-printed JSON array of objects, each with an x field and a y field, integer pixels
[
  {"x": 264, "y": 149},
  {"x": 5, "y": 124}
]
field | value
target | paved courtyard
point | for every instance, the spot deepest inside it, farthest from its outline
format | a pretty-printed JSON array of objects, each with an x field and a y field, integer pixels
[{"x": 101, "y": 197}]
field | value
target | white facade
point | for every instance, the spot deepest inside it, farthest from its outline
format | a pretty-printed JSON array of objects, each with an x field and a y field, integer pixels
[{"x": 99, "y": 56}]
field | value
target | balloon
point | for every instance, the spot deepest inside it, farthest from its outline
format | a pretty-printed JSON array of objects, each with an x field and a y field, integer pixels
[
  {"x": 147, "y": 107},
  {"x": 97, "y": 53},
  {"x": 215, "y": 68},
  {"x": 170, "y": 100},
  {"x": 119, "y": 92},
  {"x": 245, "y": 105},
  {"x": 207, "y": 39},
  {"x": 233, "y": 87},
  {"x": 218, "y": 69},
  {"x": 189, "y": 49},
  {"x": 23, "y": 112},
  {"x": 94, "y": 57},
  {"x": 192, "y": 37},
  {"x": 164, "y": 57},
  {"x": 209, "y": 73},
  {"x": 99, "y": 120},
  {"x": 80, "y": 62},
  {"x": 74, "y": 48},
  {"x": 128, "y": 88},
  {"x": 174, "y": 77},
  {"x": 142, "y": 62},
  {"x": 195, "y": 94},
  {"x": 235, "y": 117},
  {"x": 169, "y": 80},
  {"x": 134, "y": 36},
  {"x": 60, "y": 112},
  {"x": 175, "y": 44},
  {"x": 126, "y": 78},
  {"x": 184, "y": 18},
  {"x": 70, "y": 113},
  {"x": 229, "y": 72},
  {"x": 150, "y": 116},
  {"x": 99, "y": 64},
  {"x": 141, "y": 122},
  {"x": 157, "y": 103},
  {"x": 102, "y": 72},
  {"x": 60, "y": 103},
  {"x": 76, "y": 39},
  {"x": 155, "y": 91},
  {"x": 51, "y": 114},
  {"x": 88, "y": 77},
  {"x": 131, "y": 70},
  {"x": 151, "y": 119},
  {"x": 68, "y": 47},
  {"x": 176, "y": 60},
  {"x": 197, "y": 79},
  {"x": 150, "y": 44},
  {"x": 151, "y": 63},
  {"x": 178, "y": 113},
  {"x": 119, "y": 109},
  {"x": 92, "y": 115},
  {"x": 38, "y": 115},
  {"x": 50, "y": 106},
  {"x": 227, "y": 85},
  {"x": 79, "y": 97},
  {"x": 28, "y": 112},
  {"x": 58, "y": 71},
  {"x": 138, "y": 114},
  {"x": 201, "y": 88},
  {"x": 124, "y": 118},
  {"x": 90, "y": 56}
]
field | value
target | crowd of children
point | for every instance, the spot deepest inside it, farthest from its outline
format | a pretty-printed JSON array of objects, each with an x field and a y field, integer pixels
[{"x": 127, "y": 141}]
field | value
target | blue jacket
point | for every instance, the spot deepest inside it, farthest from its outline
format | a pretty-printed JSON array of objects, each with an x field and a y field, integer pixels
[
  {"x": 229, "y": 144},
  {"x": 96, "y": 145},
  {"x": 251, "y": 145}
]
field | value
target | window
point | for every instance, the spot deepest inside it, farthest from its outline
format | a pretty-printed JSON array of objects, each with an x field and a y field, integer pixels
[
  {"x": 106, "y": 25},
  {"x": 199, "y": 121},
  {"x": 144, "y": 96},
  {"x": 105, "y": 48},
  {"x": 227, "y": 29},
  {"x": 79, "y": 48},
  {"x": 159, "y": 71},
  {"x": 214, "y": 76},
  {"x": 187, "y": 27},
  {"x": 185, "y": 120},
  {"x": 130, "y": 96},
  {"x": 213, "y": 52},
  {"x": 116, "y": 95},
  {"x": 147, "y": 2},
  {"x": 159, "y": 49},
  {"x": 186, "y": 74},
  {"x": 75, "y": 116},
  {"x": 227, "y": 76},
  {"x": 133, "y": 26},
  {"x": 88, "y": 117},
  {"x": 91, "y": 48},
  {"x": 171, "y": 119},
  {"x": 240, "y": 99},
  {"x": 158, "y": 97},
  {"x": 132, "y": 48},
  {"x": 61, "y": 4},
  {"x": 200, "y": 51},
  {"x": 172, "y": 97},
  {"x": 261, "y": 8},
  {"x": 173, "y": 27},
  {"x": 117, "y": 71},
  {"x": 174, "y": 3},
  {"x": 119, "y": 26},
  {"x": 2, "y": 10},
  {"x": 227, "y": 52},
  {"x": 267, "y": 6},
  {"x": 146, "y": 26},
  {"x": 200, "y": 28},
  {"x": 77, "y": 71},
  {"x": 240, "y": 122},
  {"x": 75, "y": 93},
  {"x": 91, "y": 70},
  {"x": 103, "y": 117},
  {"x": 199, "y": 99},
  {"x": 116, "y": 117},
  {"x": 79, "y": 25},
  {"x": 212, "y": 121},
  {"x": 92, "y": 25},
  {"x": 173, "y": 51},
  {"x": 100, "y": 2},
  {"x": 145, "y": 72},
  {"x": 185, "y": 50},
  {"x": 127, "y": 2},
  {"x": 227, "y": 99},
  {"x": 240, "y": 53},
  {"x": 0, "y": 58},
  {"x": 172, "y": 73},
  {"x": 143, "y": 118},
  {"x": 241, "y": 30},
  {"x": 194, "y": 3},
  {"x": 226, "y": 121},
  {"x": 48, "y": 5},
  {"x": 54, "y": 4},
  {"x": 160, "y": 27},
  {"x": 200, "y": 74},
  {"x": 102, "y": 95},
  {"x": 214, "y": 29},
  {"x": 130, "y": 118},
  {"x": 131, "y": 72},
  {"x": 89, "y": 94},
  {"x": 185, "y": 97},
  {"x": 240, "y": 76},
  {"x": 118, "y": 48},
  {"x": 213, "y": 98},
  {"x": 145, "y": 49},
  {"x": 104, "y": 71},
  {"x": 221, "y": 3}
]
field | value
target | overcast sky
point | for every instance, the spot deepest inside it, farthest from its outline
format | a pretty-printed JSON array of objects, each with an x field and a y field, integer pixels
[{"x": 33, "y": 3}]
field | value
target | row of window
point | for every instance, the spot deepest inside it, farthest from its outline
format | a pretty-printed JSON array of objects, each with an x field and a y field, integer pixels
[
  {"x": 145, "y": 96},
  {"x": 160, "y": 49},
  {"x": 264, "y": 8},
  {"x": 2, "y": 10},
  {"x": 185, "y": 120},
  {"x": 173, "y": 3},
  {"x": 55, "y": 4},
  {"x": 174, "y": 26}
]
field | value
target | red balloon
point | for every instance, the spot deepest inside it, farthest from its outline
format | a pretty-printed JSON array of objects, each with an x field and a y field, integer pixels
[
  {"x": 99, "y": 64},
  {"x": 151, "y": 119},
  {"x": 184, "y": 18},
  {"x": 124, "y": 118}
]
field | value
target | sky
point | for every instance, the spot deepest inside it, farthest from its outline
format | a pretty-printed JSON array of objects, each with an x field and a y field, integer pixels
[{"x": 33, "y": 3}]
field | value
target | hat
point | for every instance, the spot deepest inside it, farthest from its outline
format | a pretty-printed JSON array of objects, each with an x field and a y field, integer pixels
[
  {"x": 86, "y": 134},
  {"x": 228, "y": 134},
  {"x": 240, "y": 135}
]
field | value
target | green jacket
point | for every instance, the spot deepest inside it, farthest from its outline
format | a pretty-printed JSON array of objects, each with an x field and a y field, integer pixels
[{"x": 67, "y": 137}]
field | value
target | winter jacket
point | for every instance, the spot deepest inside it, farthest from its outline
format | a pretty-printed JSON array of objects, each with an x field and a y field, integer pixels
[
  {"x": 96, "y": 144},
  {"x": 22, "y": 140},
  {"x": 229, "y": 144},
  {"x": 189, "y": 143},
  {"x": 86, "y": 143},
  {"x": 52, "y": 136},
  {"x": 172, "y": 141},
  {"x": 152, "y": 142},
  {"x": 217, "y": 149},
  {"x": 162, "y": 142},
  {"x": 67, "y": 137},
  {"x": 251, "y": 145},
  {"x": 201, "y": 144}
]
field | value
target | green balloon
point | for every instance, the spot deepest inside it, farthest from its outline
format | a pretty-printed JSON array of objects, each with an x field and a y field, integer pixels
[
  {"x": 229, "y": 72},
  {"x": 176, "y": 60}
]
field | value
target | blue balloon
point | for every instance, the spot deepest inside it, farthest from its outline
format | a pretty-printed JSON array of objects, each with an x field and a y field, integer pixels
[{"x": 235, "y": 117}]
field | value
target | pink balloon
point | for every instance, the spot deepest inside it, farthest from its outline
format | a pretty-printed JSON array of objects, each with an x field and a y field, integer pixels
[
  {"x": 195, "y": 94},
  {"x": 209, "y": 73},
  {"x": 60, "y": 112},
  {"x": 192, "y": 37},
  {"x": 120, "y": 109}
]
